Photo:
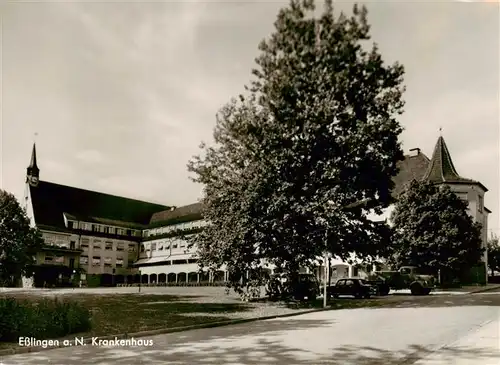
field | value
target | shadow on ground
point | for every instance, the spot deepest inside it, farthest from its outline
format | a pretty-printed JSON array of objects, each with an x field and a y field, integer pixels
[{"x": 263, "y": 351}]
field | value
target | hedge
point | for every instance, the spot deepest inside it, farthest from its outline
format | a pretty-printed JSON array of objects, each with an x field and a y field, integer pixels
[{"x": 44, "y": 319}]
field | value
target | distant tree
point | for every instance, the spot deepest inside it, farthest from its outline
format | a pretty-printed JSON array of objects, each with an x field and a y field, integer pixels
[
  {"x": 19, "y": 242},
  {"x": 493, "y": 254},
  {"x": 433, "y": 231},
  {"x": 315, "y": 135}
]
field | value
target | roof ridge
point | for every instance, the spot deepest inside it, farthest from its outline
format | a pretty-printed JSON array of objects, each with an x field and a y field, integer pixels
[{"x": 103, "y": 193}]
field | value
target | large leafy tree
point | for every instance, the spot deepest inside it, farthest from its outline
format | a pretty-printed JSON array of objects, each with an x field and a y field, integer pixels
[
  {"x": 432, "y": 230},
  {"x": 19, "y": 242},
  {"x": 493, "y": 254},
  {"x": 315, "y": 134}
]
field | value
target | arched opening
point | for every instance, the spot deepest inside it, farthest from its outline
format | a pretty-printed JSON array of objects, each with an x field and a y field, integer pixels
[
  {"x": 144, "y": 279},
  {"x": 136, "y": 279},
  {"x": 162, "y": 278},
  {"x": 130, "y": 279},
  {"x": 171, "y": 278},
  {"x": 153, "y": 278},
  {"x": 119, "y": 279},
  {"x": 219, "y": 276},
  {"x": 181, "y": 277},
  {"x": 204, "y": 277},
  {"x": 193, "y": 277}
]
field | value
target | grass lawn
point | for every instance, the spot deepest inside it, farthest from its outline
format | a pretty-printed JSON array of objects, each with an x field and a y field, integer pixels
[{"x": 128, "y": 313}]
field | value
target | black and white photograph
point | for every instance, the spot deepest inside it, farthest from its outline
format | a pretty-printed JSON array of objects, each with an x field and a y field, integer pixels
[{"x": 250, "y": 182}]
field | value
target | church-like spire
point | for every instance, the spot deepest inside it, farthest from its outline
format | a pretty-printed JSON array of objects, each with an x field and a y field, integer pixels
[
  {"x": 33, "y": 172},
  {"x": 441, "y": 168},
  {"x": 33, "y": 157}
]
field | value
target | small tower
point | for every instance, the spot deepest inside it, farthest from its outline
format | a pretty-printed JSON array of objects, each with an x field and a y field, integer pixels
[{"x": 33, "y": 172}]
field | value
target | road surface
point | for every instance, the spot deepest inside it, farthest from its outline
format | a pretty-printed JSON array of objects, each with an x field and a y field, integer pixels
[{"x": 412, "y": 332}]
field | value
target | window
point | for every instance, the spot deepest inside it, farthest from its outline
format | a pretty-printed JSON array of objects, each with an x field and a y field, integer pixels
[
  {"x": 111, "y": 230},
  {"x": 107, "y": 261},
  {"x": 109, "y": 245},
  {"x": 84, "y": 260},
  {"x": 48, "y": 259},
  {"x": 119, "y": 247},
  {"x": 129, "y": 232},
  {"x": 179, "y": 262},
  {"x": 84, "y": 243},
  {"x": 480, "y": 203},
  {"x": 153, "y": 246},
  {"x": 70, "y": 224},
  {"x": 119, "y": 262},
  {"x": 142, "y": 248},
  {"x": 160, "y": 248},
  {"x": 96, "y": 260},
  {"x": 131, "y": 248},
  {"x": 72, "y": 245},
  {"x": 174, "y": 245},
  {"x": 97, "y": 245},
  {"x": 106, "y": 229}
]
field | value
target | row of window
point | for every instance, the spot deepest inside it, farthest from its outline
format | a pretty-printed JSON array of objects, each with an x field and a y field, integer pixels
[
  {"x": 108, "y": 245},
  {"x": 163, "y": 245},
  {"x": 104, "y": 229},
  {"x": 96, "y": 261},
  {"x": 174, "y": 227}
]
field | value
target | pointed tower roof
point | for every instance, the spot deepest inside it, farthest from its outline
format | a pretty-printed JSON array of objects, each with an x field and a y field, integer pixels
[
  {"x": 33, "y": 158},
  {"x": 441, "y": 168}
]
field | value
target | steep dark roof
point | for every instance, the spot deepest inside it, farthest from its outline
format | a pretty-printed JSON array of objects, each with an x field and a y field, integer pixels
[
  {"x": 50, "y": 201},
  {"x": 441, "y": 168},
  {"x": 411, "y": 168},
  {"x": 186, "y": 213}
]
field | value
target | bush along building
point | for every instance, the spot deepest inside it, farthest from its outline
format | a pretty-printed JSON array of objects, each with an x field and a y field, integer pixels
[{"x": 101, "y": 239}]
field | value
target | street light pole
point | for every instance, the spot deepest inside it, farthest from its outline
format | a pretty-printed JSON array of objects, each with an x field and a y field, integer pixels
[
  {"x": 327, "y": 274},
  {"x": 140, "y": 280}
]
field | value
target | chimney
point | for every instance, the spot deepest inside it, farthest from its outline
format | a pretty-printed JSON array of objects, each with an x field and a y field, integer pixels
[{"x": 414, "y": 152}]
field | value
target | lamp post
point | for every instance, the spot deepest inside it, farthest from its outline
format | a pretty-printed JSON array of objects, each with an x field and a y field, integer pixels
[
  {"x": 326, "y": 280},
  {"x": 140, "y": 280}
]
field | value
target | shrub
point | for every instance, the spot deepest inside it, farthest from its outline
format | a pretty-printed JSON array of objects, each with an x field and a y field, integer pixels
[{"x": 42, "y": 319}]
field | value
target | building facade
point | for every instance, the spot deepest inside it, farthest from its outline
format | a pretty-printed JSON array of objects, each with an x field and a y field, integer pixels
[{"x": 111, "y": 240}]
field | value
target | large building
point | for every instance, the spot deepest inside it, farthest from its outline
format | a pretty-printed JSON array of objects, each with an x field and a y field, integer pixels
[{"x": 111, "y": 239}]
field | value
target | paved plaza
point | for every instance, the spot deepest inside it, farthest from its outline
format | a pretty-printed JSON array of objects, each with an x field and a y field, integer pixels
[{"x": 447, "y": 329}]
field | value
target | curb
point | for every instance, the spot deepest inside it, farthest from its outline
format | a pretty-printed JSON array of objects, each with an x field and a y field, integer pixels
[
  {"x": 484, "y": 290},
  {"x": 88, "y": 341}
]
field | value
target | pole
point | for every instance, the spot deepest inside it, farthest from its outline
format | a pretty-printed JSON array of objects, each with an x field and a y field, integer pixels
[
  {"x": 140, "y": 280},
  {"x": 325, "y": 289}
]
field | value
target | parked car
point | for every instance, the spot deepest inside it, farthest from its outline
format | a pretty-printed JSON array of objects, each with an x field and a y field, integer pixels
[
  {"x": 355, "y": 287},
  {"x": 306, "y": 286}
]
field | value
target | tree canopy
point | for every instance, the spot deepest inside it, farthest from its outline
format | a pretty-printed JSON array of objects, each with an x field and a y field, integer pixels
[
  {"x": 315, "y": 132},
  {"x": 493, "y": 254},
  {"x": 432, "y": 230},
  {"x": 19, "y": 242}
]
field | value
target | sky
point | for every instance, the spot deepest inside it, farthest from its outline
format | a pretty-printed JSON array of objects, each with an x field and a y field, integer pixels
[{"x": 122, "y": 93}]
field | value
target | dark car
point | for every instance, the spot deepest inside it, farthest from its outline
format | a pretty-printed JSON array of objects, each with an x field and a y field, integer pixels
[
  {"x": 355, "y": 287},
  {"x": 306, "y": 286}
]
